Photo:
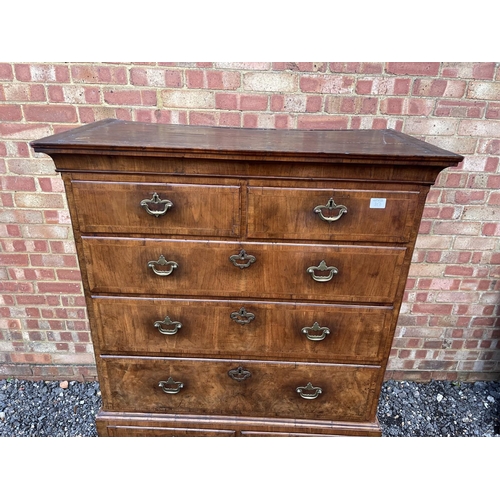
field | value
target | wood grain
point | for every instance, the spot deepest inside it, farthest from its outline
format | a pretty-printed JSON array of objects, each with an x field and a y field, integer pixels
[
  {"x": 233, "y": 190},
  {"x": 357, "y": 334},
  {"x": 365, "y": 274},
  {"x": 131, "y": 384}
]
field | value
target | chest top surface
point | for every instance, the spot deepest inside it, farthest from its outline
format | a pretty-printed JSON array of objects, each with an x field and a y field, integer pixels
[{"x": 117, "y": 137}]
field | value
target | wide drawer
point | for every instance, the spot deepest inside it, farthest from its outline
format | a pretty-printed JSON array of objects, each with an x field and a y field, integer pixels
[
  {"x": 125, "y": 207},
  {"x": 331, "y": 214},
  {"x": 279, "y": 271},
  {"x": 342, "y": 392},
  {"x": 294, "y": 331},
  {"x": 135, "y": 431}
]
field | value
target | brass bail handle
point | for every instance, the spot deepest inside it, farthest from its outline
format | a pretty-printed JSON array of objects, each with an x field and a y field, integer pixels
[
  {"x": 239, "y": 374},
  {"x": 322, "y": 267},
  {"x": 309, "y": 391},
  {"x": 316, "y": 332},
  {"x": 156, "y": 200},
  {"x": 330, "y": 205},
  {"x": 166, "y": 323},
  {"x": 170, "y": 386},
  {"x": 163, "y": 262}
]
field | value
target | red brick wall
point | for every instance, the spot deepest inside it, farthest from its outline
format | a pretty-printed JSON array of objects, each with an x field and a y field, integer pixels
[{"x": 448, "y": 324}]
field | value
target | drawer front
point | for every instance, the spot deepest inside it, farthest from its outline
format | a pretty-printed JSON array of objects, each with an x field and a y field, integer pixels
[
  {"x": 243, "y": 329},
  {"x": 196, "y": 209},
  {"x": 279, "y": 271},
  {"x": 131, "y": 431},
  {"x": 271, "y": 389},
  {"x": 351, "y": 215}
]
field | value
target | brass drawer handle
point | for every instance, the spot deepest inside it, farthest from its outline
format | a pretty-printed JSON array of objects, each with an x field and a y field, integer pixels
[
  {"x": 322, "y": 267},
  {"x": 167, "y": 322},
  {"x": 316, "y": 328},
  {"x": 170, "y": 386},
  {"x": 243, "y": 256},
  {"x": 162, "y": 262},
  {"x": 239, "y": 374},
  {"x": 156, "y": 200},
  {"x": 312, "y": 392},
  {"x": 331, "y": 205},
  {"x": 242, "y": 317}
]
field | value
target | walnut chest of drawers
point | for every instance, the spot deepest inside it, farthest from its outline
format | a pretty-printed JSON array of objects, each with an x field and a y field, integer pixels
[{"x": 242, "y": 282}]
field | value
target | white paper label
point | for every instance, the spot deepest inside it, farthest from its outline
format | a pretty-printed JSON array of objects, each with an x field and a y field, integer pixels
[{"x": 377, "y": 202}]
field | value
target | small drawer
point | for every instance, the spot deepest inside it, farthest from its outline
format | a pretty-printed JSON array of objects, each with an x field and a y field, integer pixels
[
  {"x": 285, "y": 331},
  {"x": 136, "y": 431},
  {"x": 349, "y": 273},
  {"x": 240, "y": 388},
  {"x": 157, "y": 208},
  {"x": 331, "y": 214}
]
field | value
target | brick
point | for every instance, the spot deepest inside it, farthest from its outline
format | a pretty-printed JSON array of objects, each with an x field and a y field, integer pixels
[
  {"x": 294, "y": 103},
  {"x": 322, "y": 122},
  {"x": 199, "y": 118},
  {"x": 156, "y": 77},
  {"x": 360, "y": 68},
  {"x": 483, "y": 71},
  {"x": 479, "y": 128},
  {"x": 188, "y": 99},
  {"x": 10, "y": 112},
  {"x": 430, "y": 126},
  {"x": 6, "y": 73},
  {"x": 229, "y": 119},
  {"x": 473, "y": 243},
  {"x": 351, "y": 105},
  {"x": 24, "y": 92},
  {"x": 243, "y": 65},
  {"x": 69, "y": 274},
  {"x": 439, "y": 284},
  {"x": 47, "y": 287},
  {"x": 13, "y": 259},
  {"x": 277, "y": 102},
  {"x": 439, "y": 88},
  {"x": 130, "y": 97},
  {"x": 250, "y": 120},
  {"x": 253, "y": 103},
  {"x": 39, "y": 200},
  {"x": 413, "y": 68},
  {"x": 99, "y": 74},
  {"x": 392, "y": 106},
  {"x": 30, "y": 358},
  {"x": 73, "y": 359},
  {"x": 18, "y": 183},
  {"x": 469, "y": 197},
  {"x": 21, "y": 217},
  {"x": 481, "y": 213},
  {"x": 45, "y": 231},
  {"x": 457, "y": 70},
  {"x": 327, "y": 84},
  {"x": 459, "y": 227},
  {"x": 493, "y": 111},
  {"x": 226, "y": 101},
  {"x": 282, "y": 121},
  {"x": 434, "y": 309},
  {"x": 52, "y": 113},
  {"x": 51, "y": 260},
  {"x": 48, "y": 73},
  {"x": 269, "y": 82},
  {"x": 484, "y": 91},
  {"x": 51, "y": 184},
  {"x": 314, "y": 103},
  {"x": 460, "y": 109}
]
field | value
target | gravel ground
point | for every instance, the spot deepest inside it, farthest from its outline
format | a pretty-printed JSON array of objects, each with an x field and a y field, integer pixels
[{"x": 437, "y": 408}]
